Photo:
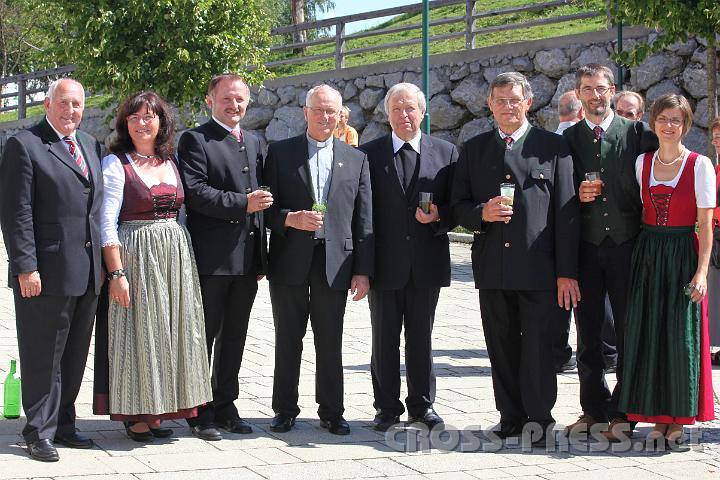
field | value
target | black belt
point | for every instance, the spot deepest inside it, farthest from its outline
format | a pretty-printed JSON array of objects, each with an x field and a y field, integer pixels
[{"x": 318, "y": 241}]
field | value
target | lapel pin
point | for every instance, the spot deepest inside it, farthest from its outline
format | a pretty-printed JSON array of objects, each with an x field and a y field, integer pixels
[{"x": 340, "y": 164}]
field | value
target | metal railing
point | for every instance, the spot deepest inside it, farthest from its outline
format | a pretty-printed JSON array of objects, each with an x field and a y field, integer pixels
[
  {"x": 469, "y": 32},
  {"x": 24, "y": 81}
]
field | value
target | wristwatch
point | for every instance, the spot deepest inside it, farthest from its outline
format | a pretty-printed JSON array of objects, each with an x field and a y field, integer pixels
[{"x": 115, "y": 274}]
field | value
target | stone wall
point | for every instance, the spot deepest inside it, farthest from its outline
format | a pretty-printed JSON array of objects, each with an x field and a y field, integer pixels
[{"x": 459, "y": 86}]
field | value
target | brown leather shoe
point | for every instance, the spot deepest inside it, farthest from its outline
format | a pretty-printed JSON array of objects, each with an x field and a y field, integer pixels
[
  {"x": 581, "y": 428},
  {"x": 618, "y": 431}
]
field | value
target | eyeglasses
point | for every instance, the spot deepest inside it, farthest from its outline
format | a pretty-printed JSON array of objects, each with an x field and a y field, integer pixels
[
  {"x": 600, "y": 90},
  {"x": 147, "y": 118},
  {"x": 511, "y": 102},
  {"x": 327, "y": 111},
  {"x": 673, "y": 122},
  {"x": 626, "y": 113}
]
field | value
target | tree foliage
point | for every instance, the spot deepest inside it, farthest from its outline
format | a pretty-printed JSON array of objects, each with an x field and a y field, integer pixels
[
  {"x": 172, "y": 47},
  {"x": 675, "y": 21},
  {"x": 21, "y": 38}
]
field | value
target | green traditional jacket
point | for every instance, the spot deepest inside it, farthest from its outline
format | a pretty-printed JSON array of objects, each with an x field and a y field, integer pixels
[{"x": 617, "y": 212}]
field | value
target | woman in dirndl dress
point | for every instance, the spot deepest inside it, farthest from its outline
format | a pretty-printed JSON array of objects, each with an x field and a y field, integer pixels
[
  {"x": 156, "y": 347},
  {"x": 667, "y": 376}
]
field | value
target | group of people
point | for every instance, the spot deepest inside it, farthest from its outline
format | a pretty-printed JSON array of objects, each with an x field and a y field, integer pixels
[{"x": 601, "y": 220}]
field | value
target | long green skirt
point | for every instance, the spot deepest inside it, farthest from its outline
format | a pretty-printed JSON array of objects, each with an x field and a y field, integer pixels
[{"x": 662, "y": 330}]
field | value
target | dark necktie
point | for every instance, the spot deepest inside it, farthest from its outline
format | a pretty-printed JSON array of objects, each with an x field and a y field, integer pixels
[
  {"x": 509, "y": 142},
  {"x": 598, "y": 131},
  {"x": 408, "y": 160},
  {"x": 77, "y": 155}
]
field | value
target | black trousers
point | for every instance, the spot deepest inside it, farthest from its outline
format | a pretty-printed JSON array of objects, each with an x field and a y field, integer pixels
[
  {"x": 389, "y": 309},
  {"x": 604, "y": 269},
  {"x": 519, "y": 343},
  {"x": 227, "y": 302},
  {"x": 292, "y": 305},
  {"x": 53, "y": 341},
  {"x": 562, "y": 351}
]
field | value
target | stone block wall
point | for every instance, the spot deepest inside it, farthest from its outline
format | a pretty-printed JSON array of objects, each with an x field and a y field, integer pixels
[{"x": 459, "y": 87}]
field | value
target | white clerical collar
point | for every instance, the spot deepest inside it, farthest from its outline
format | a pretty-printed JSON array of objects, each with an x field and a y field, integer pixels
[
  {"x": 318, "y": 143},
  {"x": 60, "y": 135},
  {"x": 399, "y": 142},
  {"x": 605, "y": 123},
  {"x": 229, "y": 129},
  {"x": 517, "y": 134}
]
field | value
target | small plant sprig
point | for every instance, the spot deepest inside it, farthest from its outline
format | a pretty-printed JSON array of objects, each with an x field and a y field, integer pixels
[{"x": 320, "y": 207}]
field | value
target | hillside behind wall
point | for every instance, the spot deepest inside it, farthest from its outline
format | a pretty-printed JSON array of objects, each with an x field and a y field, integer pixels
[{"x": 459, "y": 86}]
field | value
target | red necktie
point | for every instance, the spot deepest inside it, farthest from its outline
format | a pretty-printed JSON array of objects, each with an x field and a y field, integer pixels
[
  {"x": 508, "y": 143},
  {"x": 77, "y": 155},
  {"x": 237, "y": 134},
  {"x": 598, "y": 132}
]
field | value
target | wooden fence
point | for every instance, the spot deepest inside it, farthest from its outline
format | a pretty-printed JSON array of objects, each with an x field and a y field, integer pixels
[
  {"x": 36, "y": 82},
  {"x": 469, "y": 32}
]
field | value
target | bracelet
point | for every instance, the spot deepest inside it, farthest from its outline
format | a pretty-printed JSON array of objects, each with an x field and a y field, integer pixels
[{"x": 115, "y": 274}]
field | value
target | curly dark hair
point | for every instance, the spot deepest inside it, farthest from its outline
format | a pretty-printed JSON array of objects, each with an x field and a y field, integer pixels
[{"x": 165, "y": 140}]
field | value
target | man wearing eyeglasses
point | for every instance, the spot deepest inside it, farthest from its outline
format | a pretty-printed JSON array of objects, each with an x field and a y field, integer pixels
[
  {"x": 321, "y": 246},
  {"x": 604, "y": 147},
  {"x": 51, "y": 189},
  {"x": 221, "y": 167},
  {"x": 524, "y": 254}
]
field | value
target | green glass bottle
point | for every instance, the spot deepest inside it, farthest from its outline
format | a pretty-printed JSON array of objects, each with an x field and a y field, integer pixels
[{"x": 11, "y": 403}]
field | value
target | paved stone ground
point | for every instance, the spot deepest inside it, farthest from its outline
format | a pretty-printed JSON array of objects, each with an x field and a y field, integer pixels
[{"x": 464, "y": 399}]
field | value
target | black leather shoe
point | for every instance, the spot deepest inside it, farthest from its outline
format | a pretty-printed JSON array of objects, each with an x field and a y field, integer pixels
[
  {"x": 140, "y": 437},
  {"x": 383, "y": 421},
  {"x": 206, "y": 432},
  {"x": 43, "y": 450},
  {"x": 235, "y": 425},
  {"x": 161, "y": 432},
  {"x": 282, "y": 423},
  {"x": 74, "y": 440},
  {"x": 336, "y": 426},
  {"x": 429, "y": 418},
  {"x": 509, "y": 429}
]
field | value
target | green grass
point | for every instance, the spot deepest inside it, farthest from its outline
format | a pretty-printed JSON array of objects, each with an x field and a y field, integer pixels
[
  {"x": 39, "y": 110},
  {"x": 451, "y": 45}
]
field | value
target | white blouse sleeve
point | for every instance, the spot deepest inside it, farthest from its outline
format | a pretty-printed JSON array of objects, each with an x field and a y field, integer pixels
[
  {"x": 639, "y": 171},
  {"x": 704, "y": 182},
  {"x": 114, "y": 184}
]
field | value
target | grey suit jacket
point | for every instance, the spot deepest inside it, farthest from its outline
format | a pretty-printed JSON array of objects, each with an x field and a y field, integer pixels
[
  {"x": 49, "y": 212},
  {"x": 349, "y": 247}
]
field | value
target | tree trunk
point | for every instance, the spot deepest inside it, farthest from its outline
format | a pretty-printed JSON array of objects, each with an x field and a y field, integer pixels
[
  {"x": 712, "y": 90},
  {"x": 298, "y": 16}
]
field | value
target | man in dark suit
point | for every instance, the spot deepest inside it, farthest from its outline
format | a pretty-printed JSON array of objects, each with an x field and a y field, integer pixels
[
  {"x": 524, "y": 252},
  {"x": 412, "y": 255},
  {"x": 221, "y": 167},
  {"x": 50, "y": 197},
  {"x": 608, "y": 144},
  {"x": 321, "y": 245}
]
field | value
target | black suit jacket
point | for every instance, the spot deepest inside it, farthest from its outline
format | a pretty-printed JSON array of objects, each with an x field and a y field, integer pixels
[
  {"x": 49, "y": 212},
  {"x": 226, "y": 239},
  {"x": 348, "y": 221},
  {"x": 404, "y": 246},
  {"x": 541, "y": 241}
]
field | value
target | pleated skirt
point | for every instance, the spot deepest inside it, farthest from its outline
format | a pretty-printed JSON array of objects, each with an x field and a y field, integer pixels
[
  {"x": 157, "y": 353},
  {"x": 666, "y": 365}
]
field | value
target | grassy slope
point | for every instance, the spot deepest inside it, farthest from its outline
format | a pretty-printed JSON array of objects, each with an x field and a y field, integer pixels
[
  {"x": 533, "y": 33},
  {"x": 39, "y": 110}
]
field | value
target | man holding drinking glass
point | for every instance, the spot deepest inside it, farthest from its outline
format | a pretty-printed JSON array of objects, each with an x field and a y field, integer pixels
[
  {"x": 524, "y": 252},
  {"x": 604, "y": 147},
  {"x": 411, "y": 175}
]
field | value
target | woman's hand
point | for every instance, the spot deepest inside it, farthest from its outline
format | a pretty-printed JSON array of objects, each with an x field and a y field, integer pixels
[
  {"x": 120, "y": 291},
  {"x": 700, "y": 290}
]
